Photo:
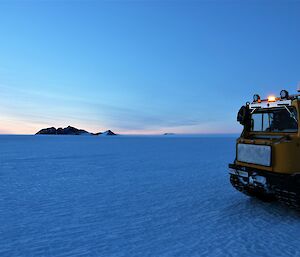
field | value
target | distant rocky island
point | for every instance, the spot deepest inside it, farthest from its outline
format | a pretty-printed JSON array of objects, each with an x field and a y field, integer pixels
[{"x": 71, "y": 131}]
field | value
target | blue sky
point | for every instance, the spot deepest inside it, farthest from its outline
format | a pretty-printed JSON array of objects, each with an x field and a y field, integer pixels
[{"x": 142, "y": 67}]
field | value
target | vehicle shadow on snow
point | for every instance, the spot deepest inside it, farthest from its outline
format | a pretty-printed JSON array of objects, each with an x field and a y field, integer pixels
[{"x": 249, "y": 206}]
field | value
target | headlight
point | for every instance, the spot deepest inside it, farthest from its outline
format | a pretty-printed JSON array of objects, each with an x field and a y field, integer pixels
[
  {"x": 284, "y": 94},
  {"x": 256, "y": 98}
]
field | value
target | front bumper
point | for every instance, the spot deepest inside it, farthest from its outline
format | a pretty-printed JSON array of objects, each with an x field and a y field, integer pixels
[
  {"x": 249, "y": 177},
  {"x": 269, "y": 181}
]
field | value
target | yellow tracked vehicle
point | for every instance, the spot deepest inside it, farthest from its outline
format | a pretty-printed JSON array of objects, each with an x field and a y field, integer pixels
[{"x": 267, "y": 163}]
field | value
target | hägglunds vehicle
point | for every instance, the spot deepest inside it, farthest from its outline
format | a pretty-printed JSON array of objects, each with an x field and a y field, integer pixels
[{"x": 267, "y": 163}]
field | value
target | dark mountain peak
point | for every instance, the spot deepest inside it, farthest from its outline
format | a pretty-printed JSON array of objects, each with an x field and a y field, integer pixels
[
  {"x": 47, "y": 131},
  {"x": 62, "y": 131},
  {"x": 106, "y": 133},
  {"x": 71, "y": 131},
  {"x": 109, "y": 133}
]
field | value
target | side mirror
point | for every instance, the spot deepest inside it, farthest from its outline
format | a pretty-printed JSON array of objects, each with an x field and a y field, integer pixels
[{"x": 243, "y": 115}]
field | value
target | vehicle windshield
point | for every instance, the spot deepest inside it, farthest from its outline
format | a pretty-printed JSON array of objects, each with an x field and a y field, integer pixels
[{"x": 274, "y": 120}]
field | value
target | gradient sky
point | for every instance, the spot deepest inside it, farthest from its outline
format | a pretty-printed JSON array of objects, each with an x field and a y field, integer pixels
[{"x": 142, "y": 66}]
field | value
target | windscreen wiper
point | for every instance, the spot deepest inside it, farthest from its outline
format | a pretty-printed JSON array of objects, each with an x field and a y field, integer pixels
[{"x": 291, "y": 114}]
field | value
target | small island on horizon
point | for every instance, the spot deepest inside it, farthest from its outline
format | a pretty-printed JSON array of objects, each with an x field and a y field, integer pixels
[{"x": 72, "y": 131}]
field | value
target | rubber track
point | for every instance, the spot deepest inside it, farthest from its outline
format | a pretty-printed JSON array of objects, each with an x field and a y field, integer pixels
[{"x": 286, "y": 197}]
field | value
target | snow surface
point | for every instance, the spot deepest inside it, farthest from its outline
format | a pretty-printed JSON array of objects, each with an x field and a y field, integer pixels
[{"x": 132, "y": 196}]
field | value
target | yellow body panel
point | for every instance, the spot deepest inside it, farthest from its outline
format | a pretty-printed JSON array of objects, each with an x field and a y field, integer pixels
[{"x": 285, "y": 150}]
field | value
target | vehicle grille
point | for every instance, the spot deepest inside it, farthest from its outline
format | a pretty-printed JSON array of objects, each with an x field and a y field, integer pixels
[{"x": 255, "y": 154}]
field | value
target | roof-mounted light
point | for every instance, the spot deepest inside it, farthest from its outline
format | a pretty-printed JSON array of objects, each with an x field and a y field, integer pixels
[
  {"x": 256, "y": 98},
  {"x": 284, "y": 94},
  {"x": 271, "y": 98}
]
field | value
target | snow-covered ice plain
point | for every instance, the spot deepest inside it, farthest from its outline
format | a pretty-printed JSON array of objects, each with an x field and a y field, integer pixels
[{"x": 132, "y": 196}]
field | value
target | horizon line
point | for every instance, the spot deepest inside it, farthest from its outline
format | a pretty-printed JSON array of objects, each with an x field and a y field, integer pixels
[{"x": 141, "y": 134}]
